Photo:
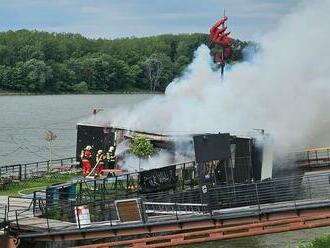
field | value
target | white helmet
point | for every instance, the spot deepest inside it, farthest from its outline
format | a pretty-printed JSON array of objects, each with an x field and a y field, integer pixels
[
  {"x": 88, "y": 148},
  {"x": 111, "y": 148},
  {"x": 99, "y": 151}
]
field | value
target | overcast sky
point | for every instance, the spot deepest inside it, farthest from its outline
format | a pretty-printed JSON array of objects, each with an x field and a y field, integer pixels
[{"x": 125, "y": 18}]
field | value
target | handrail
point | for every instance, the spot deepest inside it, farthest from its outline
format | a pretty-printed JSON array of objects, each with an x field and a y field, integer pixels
[{"x": 25, "y": 171}]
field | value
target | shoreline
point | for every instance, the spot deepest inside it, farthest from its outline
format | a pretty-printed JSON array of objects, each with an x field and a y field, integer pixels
[{"x": 85, "y": 93}]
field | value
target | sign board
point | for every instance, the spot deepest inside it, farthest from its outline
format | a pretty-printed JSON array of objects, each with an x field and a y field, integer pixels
[
  {"x": 82, "y": 216},
  {"x": 157, "y": 179},
  {"x": 128, "y": 210}
]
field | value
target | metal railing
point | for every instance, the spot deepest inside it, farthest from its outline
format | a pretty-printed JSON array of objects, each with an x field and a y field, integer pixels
[
  {"x": 317, "y": 157},
  {"x": 56, "y": 212},
  {"x": 36, "y": 169}
]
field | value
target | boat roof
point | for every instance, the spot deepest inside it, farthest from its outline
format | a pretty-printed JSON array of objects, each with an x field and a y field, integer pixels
[{"x": 165, "y": 136}]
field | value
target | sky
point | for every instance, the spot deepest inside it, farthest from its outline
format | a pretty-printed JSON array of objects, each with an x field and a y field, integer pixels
[{"x": 248, "y": 19}]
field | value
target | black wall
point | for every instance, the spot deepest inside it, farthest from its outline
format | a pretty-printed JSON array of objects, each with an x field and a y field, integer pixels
[
  {"x": 98, "y": 137},
  {"x": 242, "y": 169},
  {"x": 211, "y": 147}
]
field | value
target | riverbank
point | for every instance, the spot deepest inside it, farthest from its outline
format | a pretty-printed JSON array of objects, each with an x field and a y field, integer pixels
[{"x": 84, "y": 93}]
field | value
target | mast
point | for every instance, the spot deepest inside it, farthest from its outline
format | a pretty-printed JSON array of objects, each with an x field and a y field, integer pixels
[{"x": 222, "y": 65}]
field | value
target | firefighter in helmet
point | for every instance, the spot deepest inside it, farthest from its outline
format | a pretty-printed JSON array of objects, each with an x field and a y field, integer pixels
[
  {"x": 86, "y": 160},
  {"x": 100, "y": 159},
  {"x": 111, "y": 158}
]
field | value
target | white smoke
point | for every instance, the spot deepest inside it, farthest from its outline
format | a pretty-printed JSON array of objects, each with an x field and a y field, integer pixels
[
  {"x": 285, "y": 90},
  {"x": 133, "y": 163},
  {"x": 122, "y": 147}
]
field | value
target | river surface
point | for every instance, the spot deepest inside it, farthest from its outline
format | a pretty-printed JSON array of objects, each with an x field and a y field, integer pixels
[{"x": 24, "y": 120}]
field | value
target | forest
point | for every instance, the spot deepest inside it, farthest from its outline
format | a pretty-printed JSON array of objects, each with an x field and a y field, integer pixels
[{"x": 42, "y": 62}]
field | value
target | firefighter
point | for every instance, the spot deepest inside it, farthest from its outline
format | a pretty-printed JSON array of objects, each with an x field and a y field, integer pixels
[
  {"x": 111, "y": 158},
  {"x": 100, "y": 158},
  {"x": 86, "y": 160}
]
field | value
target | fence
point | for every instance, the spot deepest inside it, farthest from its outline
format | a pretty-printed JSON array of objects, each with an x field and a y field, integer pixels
[
  {"x": 36, "y": 169},
  {"x": 283, "y": 194},
  {"x": 311, "y": 158}
]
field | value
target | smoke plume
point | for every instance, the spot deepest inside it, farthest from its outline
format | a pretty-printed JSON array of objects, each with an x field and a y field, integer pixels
[{"x": 284, "y": 90}]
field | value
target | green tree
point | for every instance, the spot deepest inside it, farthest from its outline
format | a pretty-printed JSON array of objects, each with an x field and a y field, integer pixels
[
  {"x": 34, "y": 61},
  {"x": 82, "y": 87},
  {"x": 38, "y": 74},
  {"x": 153, "y": 72},
  {"x": 141, "y": 147}
]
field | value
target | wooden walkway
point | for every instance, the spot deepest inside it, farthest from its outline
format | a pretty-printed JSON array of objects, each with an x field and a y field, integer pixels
[{"x": 36, "y": 224}]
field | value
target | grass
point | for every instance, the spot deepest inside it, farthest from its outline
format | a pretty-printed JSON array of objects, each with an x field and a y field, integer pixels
[
  {"x": 28, "y": 186},
  {"x": 321, "y": 242}
]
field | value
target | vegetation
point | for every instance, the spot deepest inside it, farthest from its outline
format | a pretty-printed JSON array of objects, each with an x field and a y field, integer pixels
[
  {"x": 141, "y": 147},
  {"x": 322, "y": 242},
  {"x": 39, "y": 62},
  {"x": 28, "y": 186}
]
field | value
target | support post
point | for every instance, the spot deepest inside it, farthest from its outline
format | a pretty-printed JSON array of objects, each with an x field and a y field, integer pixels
[
  {"x": 78, "y": 218},
  {"x": 16, "y": 216},
  {"x": 34, "y": 203},
  {"x": 257, "y": 196},
  {"x": 20, "y": 172},
  {"x": 25, "y": 172}
]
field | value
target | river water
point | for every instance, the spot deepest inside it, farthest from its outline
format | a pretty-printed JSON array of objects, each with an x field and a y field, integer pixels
[{"x": 24, "y": 120}]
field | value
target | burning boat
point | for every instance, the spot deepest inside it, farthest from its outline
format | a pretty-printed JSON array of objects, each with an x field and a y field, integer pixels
[
  {"x": 221, "y": 157},
  {"x": 217, "y": 163}
]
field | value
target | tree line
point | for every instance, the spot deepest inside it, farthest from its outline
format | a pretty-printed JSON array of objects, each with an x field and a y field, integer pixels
[{"x": 42, "y": 62}]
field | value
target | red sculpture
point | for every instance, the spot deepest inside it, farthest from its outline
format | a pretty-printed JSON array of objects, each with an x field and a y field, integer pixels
[{"x": 221, "y": 38}]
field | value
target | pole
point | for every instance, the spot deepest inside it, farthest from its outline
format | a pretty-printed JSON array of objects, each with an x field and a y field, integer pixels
[
  {"x": 222, "y": 53},
  {"x": 139, "y": 164},
  {"x": 51, "y": 154}
]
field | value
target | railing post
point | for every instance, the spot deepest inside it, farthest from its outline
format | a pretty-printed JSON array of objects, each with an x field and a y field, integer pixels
[
  {"x": 80, "y": 191},
  {"x": 110, "y": 215},
  {"x": 94, "y": 195},
  {"x": 17, "y": 220},
  {"x": 34, "y": 203},
  {"x": 294, "y": 200},
  {"x": 8, "y": 203},
  {"x": 176, "y": 211},
  {"x": 127, "y": 182},
  {"x": 182, "y": 174},
  {"x": 25, "y": 172},
  {"x": 309, "y": 187},
  {"x": 20, "y": 172},
  {"x": 5, "y": 217},
  {"x": 48, "y": 229},
  {"x": 78, "y": 218},
  {"x": 257, "y": 196}
]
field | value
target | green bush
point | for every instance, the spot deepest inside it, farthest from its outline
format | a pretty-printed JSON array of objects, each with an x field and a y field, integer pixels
[{"x": 321, "y": 242}]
